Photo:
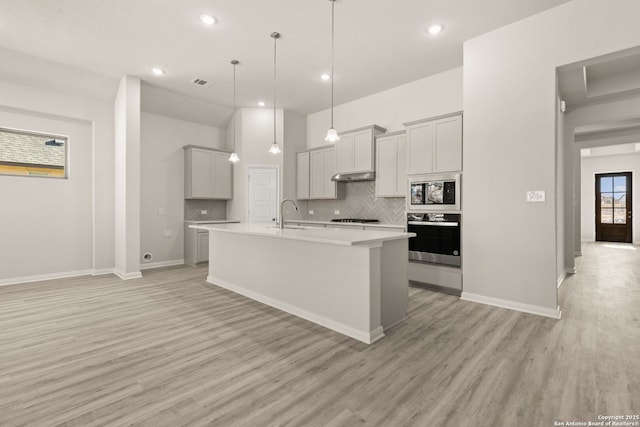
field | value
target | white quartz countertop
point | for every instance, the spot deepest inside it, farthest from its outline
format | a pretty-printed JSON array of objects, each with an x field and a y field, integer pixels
[
  {"x": 221, "y": 221},
  {"x": 332, "y": 236},
  {"x": 352, "y": 224}
]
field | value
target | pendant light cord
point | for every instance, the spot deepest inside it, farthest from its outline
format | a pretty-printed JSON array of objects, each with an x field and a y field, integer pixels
[
  {"x": 333, "y": 2},
  {"x": 275, "y": 42},
  {"x": 234, "y": 62}
]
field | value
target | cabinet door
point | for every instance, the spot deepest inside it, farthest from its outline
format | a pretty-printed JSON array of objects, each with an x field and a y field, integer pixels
[
  {"x": 448, "y": 144},
  {"x": 344, "y": 154},
  {"x": 363, "y": 151},
  {"x": 401, "y": 166},
  {"x": 420, "y": 148},
  {"x": 386, "y": 169},
  {"x": 201, "y": 178},
  {"x": 203, "y": 246},
  {"x": 316, "y": 175},
  {"x": 303, "y": 176},
  {"x": 222, "y": 176},
  {"x": 330, "y": 187}
]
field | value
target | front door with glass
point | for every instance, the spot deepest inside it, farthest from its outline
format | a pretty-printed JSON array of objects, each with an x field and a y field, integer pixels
[{"x": 613, "y": 207}]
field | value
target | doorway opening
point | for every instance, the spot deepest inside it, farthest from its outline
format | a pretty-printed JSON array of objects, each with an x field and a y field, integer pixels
[
  {"x": 613, "y": 200},
  {"x": 263, "y": 194}
]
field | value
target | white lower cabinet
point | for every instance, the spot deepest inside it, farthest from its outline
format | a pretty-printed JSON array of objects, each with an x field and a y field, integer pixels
[
  {"x": 196, "y": 246},
  {"x": 202, "y": 253}
]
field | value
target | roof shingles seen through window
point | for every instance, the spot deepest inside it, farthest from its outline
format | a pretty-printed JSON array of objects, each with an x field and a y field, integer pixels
[{"x": 31, "y": 149}]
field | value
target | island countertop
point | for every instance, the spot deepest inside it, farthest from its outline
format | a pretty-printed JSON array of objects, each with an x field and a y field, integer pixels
[{"x": 332, "y": 236}]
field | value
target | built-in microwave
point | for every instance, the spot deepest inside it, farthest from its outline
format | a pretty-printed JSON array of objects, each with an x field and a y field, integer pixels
[{"x": 437, "y": 192}]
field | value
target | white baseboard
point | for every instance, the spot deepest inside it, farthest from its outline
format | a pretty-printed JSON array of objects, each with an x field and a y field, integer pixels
[
  {"x": 102, "y": 271},
  {"x": 43, "y": 277},
  {"x": 127, "y": 276},
  {"x": 170, "y": 263},
  {"x": 561, "y": 279},
  {"x": 366, "y": 337},
  {"x": 513, "y": 305}
]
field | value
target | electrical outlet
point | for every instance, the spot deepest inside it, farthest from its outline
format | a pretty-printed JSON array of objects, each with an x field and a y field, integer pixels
[
  {"x": 168, "y": 233},
  {"x": 536, "y": 196},
  {"x": 336, "y": 212},
  {"x": 203, "y": 212},
  {"x": 310, "y": 212},
  {"x": 161, "y": 211}
]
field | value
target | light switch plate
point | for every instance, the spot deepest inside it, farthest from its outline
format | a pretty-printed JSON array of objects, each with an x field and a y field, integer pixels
[
  {"x": 168, "y": 233},
  {"x": 310, "y": 212},
  {"x": 203, "y": 212},
  {"x": 160, "y": 211},
  {"x": 536, "y": 196},
  {"x": 336, "y": 212}
]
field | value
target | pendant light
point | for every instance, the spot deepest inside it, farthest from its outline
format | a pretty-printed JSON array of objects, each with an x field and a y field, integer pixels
[
  {"x": 275, "y": 149},
  {"x": 234, "y": 156},
  {"x": 332, "y": 135}
]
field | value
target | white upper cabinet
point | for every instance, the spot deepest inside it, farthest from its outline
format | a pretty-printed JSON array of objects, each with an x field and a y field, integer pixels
[
  {"x": 355, "y": 150},
  {"x": 208, "y": 174},
  {"x": 302, "y": 188},
  {"x": 322, "y": 166},
  {"x": 434, "y": 145},
  {"x": 222, "y": 176},
  {"x": 391, "y": 165}
]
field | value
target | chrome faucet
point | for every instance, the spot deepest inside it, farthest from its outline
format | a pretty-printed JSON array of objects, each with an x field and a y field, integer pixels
[{"x": 281, "y": 219}]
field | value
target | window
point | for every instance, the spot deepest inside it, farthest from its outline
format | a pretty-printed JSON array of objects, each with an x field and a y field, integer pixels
[{"x": 32, "y": 154}]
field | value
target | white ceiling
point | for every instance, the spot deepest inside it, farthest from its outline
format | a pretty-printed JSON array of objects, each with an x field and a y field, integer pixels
[{"x": 379, "y": 44}]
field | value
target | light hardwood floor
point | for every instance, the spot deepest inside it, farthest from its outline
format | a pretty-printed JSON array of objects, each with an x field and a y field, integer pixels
[{"x": 171, "y": 350}]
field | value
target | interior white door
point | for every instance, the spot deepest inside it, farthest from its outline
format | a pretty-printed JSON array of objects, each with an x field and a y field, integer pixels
[{"x": 263, "y": 194}]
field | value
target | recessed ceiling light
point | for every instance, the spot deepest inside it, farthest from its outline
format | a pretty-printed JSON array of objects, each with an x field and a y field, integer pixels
[
  {"x": 261, "y": 103},
  {"x": 157, "y": 71},
  {"x": 325, "y": 76},
  {"x": 435, "y": 28},
  {"x": 207, "y": 19}
]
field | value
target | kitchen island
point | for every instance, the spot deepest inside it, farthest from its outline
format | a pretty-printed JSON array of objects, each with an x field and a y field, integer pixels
[{"x": 351, "y": 281}]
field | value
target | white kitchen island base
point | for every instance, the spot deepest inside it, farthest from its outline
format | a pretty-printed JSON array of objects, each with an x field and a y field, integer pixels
[{"x": 351, "y": 281}]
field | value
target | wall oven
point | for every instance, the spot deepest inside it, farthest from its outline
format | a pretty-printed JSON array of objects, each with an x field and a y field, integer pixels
[
  {"x": 434, "y": 192},
  {"x": 437, "y": 238}
]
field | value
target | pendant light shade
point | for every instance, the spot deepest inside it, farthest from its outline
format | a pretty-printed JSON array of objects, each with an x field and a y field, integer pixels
[
  {"x": 234, "y": 156},
  {"x": 275, "y": 148},
  {"x": 332, "y": 135}
]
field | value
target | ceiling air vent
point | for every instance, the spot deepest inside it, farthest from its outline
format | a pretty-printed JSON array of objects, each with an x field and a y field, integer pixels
[{"x": 201, "y": 82}]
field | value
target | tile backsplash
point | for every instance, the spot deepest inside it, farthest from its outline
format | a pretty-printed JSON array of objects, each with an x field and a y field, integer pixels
[
  {"x": 216, "y": 210},
  {"x": 359, "y": 202}
]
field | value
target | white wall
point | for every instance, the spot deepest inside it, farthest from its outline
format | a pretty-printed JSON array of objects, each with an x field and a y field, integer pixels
[
  {"x": 254, "y": 136},
  {"x": 605, "y": 164},
  {"x": 46, "y": 223},
  {"x": 295, "y": 137},
  {"x": 162, "y": 180},
  {"x": 127, "y": 178},
  {"x": 428, "y": 97},
  {"x": 58, "y": 227},
  {"x": 509, "y": 143},
  {"x": 561, "y": 268}
]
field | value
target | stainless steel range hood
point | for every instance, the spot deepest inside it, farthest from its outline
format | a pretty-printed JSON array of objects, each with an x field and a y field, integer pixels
[{"x": 354, "y": 177}]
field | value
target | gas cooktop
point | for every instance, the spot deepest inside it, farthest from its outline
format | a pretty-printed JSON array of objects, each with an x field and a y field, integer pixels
[{"x": 358, "y": 220}]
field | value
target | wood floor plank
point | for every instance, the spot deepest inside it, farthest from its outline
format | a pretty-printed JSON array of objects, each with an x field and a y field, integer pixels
[{"x": 170, "y": 349}]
